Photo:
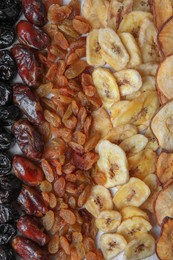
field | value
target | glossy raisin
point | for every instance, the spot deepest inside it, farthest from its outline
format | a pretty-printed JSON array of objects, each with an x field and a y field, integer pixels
[
  {"x": 35, "y": 11},
  {"x": 28, "y": 103},
  {"x": 7, "y": 232},
  {"x": 28, "y": 139},
  {"x": 5, "y": 94},
  {"x": 7, "y": 36},
  {"x": 27, "y": 171},
  {"x": 32, "y": 36},
  {"x": 10, "y": 11},
  {"x": 6, "y": 139},
  {"x": 7, "y": 66},
  {"x": 28, "y": 64},
  {"x": 32, "y": 202},
  {"x": 6, "y": 253},
  {"x": 9, "y": 114},
  {"x": 5, "y": 163},
  {"x": 8, "y": 213}
]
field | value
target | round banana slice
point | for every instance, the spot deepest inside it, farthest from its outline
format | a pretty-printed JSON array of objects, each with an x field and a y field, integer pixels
[
  {"x": 132, "y": 227},
  {"x": 148, "y": 69},
  {"x": 129, "y": 81},
  {"x": 112, "y": 50},
  {"x": 132, "y": 211},
  {"x": 113, "y": 163},
  {"x": 100, "y": 199},
  {"x": 149, "y": 83},
  {"x": 162, "y": 126},
  {"x": 134, "y": 193},
  {"x": 140, "y": 248},
  {"x": 108, "y": 220},
  {"x": 112, "y": 245},
  {"x": 134, "y": 144},
  {"x": 143, "y": 5},
  {"x": 106, "y": 86}
]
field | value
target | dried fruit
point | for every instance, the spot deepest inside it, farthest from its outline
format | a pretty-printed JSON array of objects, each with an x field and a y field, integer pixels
[
  {"x": 5, "y": 163},
  {"x": 164, "y": 168},
  {"x": 7, "y": 36},
  {"x": 10, "y": 11},
  {"x": 8, "y": 213},
  {"x": 7, "y": 66},
  {"x": 7, "y": 232},
  {"x": 58, "y": 13},
  {"x": 48, "y": 220},
  {"x": 68, "y": 216}
]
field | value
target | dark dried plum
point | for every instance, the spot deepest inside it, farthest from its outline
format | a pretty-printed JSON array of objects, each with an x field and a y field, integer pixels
[
  {"x": 8, "y": 68},
  {"x": 5, "y": 163},
  {"x": 28, "y": 139},
  {"x": 29, "y": 66},
  {"x": 9, "y": 114},
  {"x": 28, "y": 103},
  {"x": 8, "y": 213},
  {"x": 32, "y": 36},
  {"x": 10, "y": 11},
  {"x": 7, "y": 36},
  {"x": 35, "y": 11},
  {"x": 5, "y": 94},
  {"x": 6, "y": 253},
  {"x": 6, "y": 139},
  {"x": 7, "y": 232}
]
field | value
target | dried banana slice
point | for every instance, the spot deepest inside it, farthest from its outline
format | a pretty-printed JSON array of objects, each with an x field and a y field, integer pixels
[
  {"x": 165, "y": 37},
  {"x": 108, "y": 220},
  {"x": 149, "y": 83},
  {"x": 134, "y": 144},
  {"x": 132, "y": 227},
  {"x": 112, "y": 244},
  {"x": 162, "y": 126},
  {"x": 134, "y": 193},
  {"x": 152, "y": 141},
  {"x": 106, "y": 85},
  {"x": 113, "y": 163},
  {"x": 165, "y": 167},
  {"x": 140, "y": 248},
  {"x": 132, "y": 48},
  {"x": 93, "y": 54},
  {"x": 112, "y": 50},
  {"x": 148, "y": 69},
  {"x": 129, "y": 81},
  {"x": 143, "y": 5},
  {"x": 132, "y": 211},
  {"x": 100, "y": 199}
]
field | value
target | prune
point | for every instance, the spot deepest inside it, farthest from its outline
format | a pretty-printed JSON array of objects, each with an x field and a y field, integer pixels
[
  {"x": 6, "y": 139},
  {"x": 28, "y": 139},
  {"x": 35, "y": 11},
  {"x": 32, "y": 36},
  {"x": 7, "y": 231},
  {"x": 6, "y": 253},
  {"x": 28, "y": 64},
  {"x": 27, "y": 171},
  {"x": 27, "y": 249},
  {"x": 8, "y": 213},
  {"x": 29, "y": 229},
  {"x": 10, "y": 11},
  {"x": 7, "y": 36},
  {"x": 8, "y": 115},
  {"x": 5, "y": 94},
  {"x": 28, "y": 103},
  {"x": 5, "y": 163},
  {"x": 10, "y": 188},
  {"x": 31, "y": 202},
  {"x": 7, "y": 66}
]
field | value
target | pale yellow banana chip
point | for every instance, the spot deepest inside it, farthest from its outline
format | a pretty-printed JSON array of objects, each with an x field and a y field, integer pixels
[
  {"x": 132, "y": 211},
  {"x": 148, "y": 69},
  {"x": 143, "y": 5},
  {"x": 149, "y": 83},
  {"x": 108, "y": 220},
  {"x": 134, "y": 144}
]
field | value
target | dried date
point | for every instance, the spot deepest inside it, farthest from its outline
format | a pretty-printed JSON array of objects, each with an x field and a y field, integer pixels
[
  {"x": 8, "y": 213},
  {"x": 7, "y": 66},
  {"x": 27, "y": 171},
  {"x": 10, "y": 11},
  {"x": 28, "y": 139},
  {"x": 9, "y": 114},
  {"x": 35, "y": 11},
  {"x": 28, "y": 64},
  {"x": 32, "y": 36},
  {"x": 6, "y": 139},
  {"x": 5, "y": 163},
  {"x": 7, "y": 232},
  {"x": 6, "y": 253},
  {"x": 28, "y": 103},
  {"x": 7, "y": 36},
  {"x": 5, "y": 94}
]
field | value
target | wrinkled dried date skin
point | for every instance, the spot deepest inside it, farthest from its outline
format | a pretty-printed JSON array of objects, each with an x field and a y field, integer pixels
[
  {"x": 10, "y": 11},
  {"x": 32, "y": 202},
  {"x": 6, "y": 139},
  {"x": 5, "y": 163},
  {"x": 9, "y": 114},
  {"x": 8, "y": 213},
  {"x": 27, "y": 171},
  {"x": 6, "y": 94},
  {"x": 6, "y": 253},
  {"x": 8, "y": 68},
  {"x": 28, "y": 139},
  {"x": 7, "y": 231},
  {"x": 7, "y": 36},
  {"x": 29, "y": 229},
  {"x": 10, "y": 188},
  {"x": 35, "y": 11},
  {"x": 32, "y": 36},
  {"x": 28, "y": 64},
  {"x": 28, "y": 103}
]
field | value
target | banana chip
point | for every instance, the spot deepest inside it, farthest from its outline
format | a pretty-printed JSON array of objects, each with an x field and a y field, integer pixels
[
  {"x": 134, "y": 144},
  {"x": 131, "y": 211},
  {"x": 149, "y": 83},
  {"x": 152, "y": 141},
  {"x": 108, "y": 220},
  {"x": 165, "y": 37},
  {"x": 143, "y": 5},
  {"x": 148, "y": 69},
  {"x": 165, "y": 167}
]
